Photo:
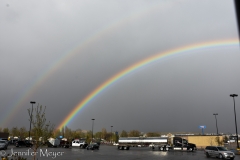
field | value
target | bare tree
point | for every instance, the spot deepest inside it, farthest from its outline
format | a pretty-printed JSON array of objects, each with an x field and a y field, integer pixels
[{"x": 42, "y": 129}]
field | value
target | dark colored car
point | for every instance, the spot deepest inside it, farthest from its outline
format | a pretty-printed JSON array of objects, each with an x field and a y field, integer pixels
[
  {"x": 64, "y": 144},
  {"x": 92, "y": 146},
  {"x": 23, "y": 144},
  {"x": 12, "y": 142}
]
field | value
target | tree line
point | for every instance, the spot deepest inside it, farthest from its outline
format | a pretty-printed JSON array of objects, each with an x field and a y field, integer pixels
[
  {"x": 42, "y": 130},
  {"x": 70, "y": 134}
]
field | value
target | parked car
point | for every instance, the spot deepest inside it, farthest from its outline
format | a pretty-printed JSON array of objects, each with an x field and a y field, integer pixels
[
  {"x": 3, "y": 144},
  {"x": 92, "y": 146},
  {"x": 12, "y": 142},
  {"x": 64, "y": 144},
  {"x": 79, "y": 143},
  {"x": 23, "y": 144},
  {"x": 219, "y": 152}
]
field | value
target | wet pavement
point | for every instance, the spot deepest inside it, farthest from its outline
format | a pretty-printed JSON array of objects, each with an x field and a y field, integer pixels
[{"x": 107, "y": 153}]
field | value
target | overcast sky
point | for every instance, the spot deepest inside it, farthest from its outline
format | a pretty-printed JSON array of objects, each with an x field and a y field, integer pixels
[{"x": 56, "y": 52}]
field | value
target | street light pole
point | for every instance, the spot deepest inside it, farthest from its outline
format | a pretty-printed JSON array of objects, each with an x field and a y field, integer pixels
[
  {"x": 92, "y": 128},
  {"x": 32, "y": 102},
  {"x": 215, "y": 114},
  {"x": 111, "y": 133},
  {"x": 235, "y": 95}
]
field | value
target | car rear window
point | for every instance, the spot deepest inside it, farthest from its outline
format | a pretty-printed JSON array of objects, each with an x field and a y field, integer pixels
[
  {"x": 208, "y": 148},
  {"x": 222, "y": 149}
]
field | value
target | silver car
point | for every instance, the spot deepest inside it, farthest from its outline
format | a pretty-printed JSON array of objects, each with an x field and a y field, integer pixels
[
  {"x": 219, "y": 152},
  {"x": 3, "y": 144}
]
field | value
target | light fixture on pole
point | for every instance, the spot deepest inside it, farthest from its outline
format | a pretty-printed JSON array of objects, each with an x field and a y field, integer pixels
[
  {"x": 32, "y": 102},
  {"x": 235, "y": 95},
  {"x": 92, "y": 128},
  {"x": 215, "y": 114}
]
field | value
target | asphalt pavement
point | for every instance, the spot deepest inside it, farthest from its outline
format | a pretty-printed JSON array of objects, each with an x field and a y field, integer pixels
[{"x": 105, "y": 152}]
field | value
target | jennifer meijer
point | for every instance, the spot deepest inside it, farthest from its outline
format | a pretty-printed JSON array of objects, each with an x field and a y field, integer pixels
[{"x": 42, "y": 153}]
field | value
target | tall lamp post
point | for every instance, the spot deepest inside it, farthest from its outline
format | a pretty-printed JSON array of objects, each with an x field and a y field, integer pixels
[
  {"x": 215, "y": 114},
  {"x": 235, "y": 95},
  {"x": 32, "y": 102},
  {"x": 111, "y": 133},
  {"x": 92, "y": 128}
]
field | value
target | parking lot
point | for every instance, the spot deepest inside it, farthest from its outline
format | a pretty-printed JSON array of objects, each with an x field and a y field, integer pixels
[{"x": 106, "y": 153}]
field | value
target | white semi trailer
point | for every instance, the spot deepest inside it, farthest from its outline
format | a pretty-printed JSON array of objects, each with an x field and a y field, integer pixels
[
  {"x": 160, "y": 143},
  {"x": 126, "y": 142}
]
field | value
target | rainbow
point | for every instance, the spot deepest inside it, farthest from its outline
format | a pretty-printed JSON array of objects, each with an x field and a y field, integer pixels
[
  {"x": 140, "y": 64},
  {"x": 34, "y": 84}
]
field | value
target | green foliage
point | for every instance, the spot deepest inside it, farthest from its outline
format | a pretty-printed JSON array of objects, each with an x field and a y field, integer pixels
[
  {"x": 104, "y": 133},
  {"x": 14, "y": 131},
  {"x": 225, "y": 139},
  {"x": 134, "y": 133},
  {"x": 88, "y": 138},
  {"x": 22, "y": 132},
  {"x": 19, "y": 132},
  {"x": 98, "y": 135},
  {"x": 67, "y": 133},
  {"x": 219, "y": 141},
  {"x": 153, "y": 134},
  {"x": 5, "y": 130},
  {"x": 124, "y": 134},
  {"x": 70, "y": 134},
  {"x": 115, "y": 138}
]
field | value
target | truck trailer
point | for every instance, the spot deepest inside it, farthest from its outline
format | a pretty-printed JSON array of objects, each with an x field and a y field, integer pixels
[{"x": 160, "y": 143}]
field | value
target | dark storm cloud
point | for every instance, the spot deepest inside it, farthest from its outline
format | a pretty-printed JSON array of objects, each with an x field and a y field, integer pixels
[{"x": 174, "y": 94}]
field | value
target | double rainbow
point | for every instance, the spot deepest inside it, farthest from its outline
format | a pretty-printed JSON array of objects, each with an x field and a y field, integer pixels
[{"x": 140, "y": 64}]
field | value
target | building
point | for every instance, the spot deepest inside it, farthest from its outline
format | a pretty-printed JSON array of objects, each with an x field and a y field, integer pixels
[
  {"x": 4, "y": 135},
  {"x": 202, "y": 141}
]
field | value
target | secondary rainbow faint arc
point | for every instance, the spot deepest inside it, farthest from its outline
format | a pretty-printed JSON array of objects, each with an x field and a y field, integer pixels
[
  {"x": 140, "y": 64},
  {"x": 33, "y": 85}
]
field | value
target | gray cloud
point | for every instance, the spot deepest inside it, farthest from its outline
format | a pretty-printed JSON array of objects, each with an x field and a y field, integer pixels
[{"x": 177, "y": 93}]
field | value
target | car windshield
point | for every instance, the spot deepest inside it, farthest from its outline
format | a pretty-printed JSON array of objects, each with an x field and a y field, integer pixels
[
  {"x": 222, "y": 149},
  {"x": 2, "y": 141}
]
